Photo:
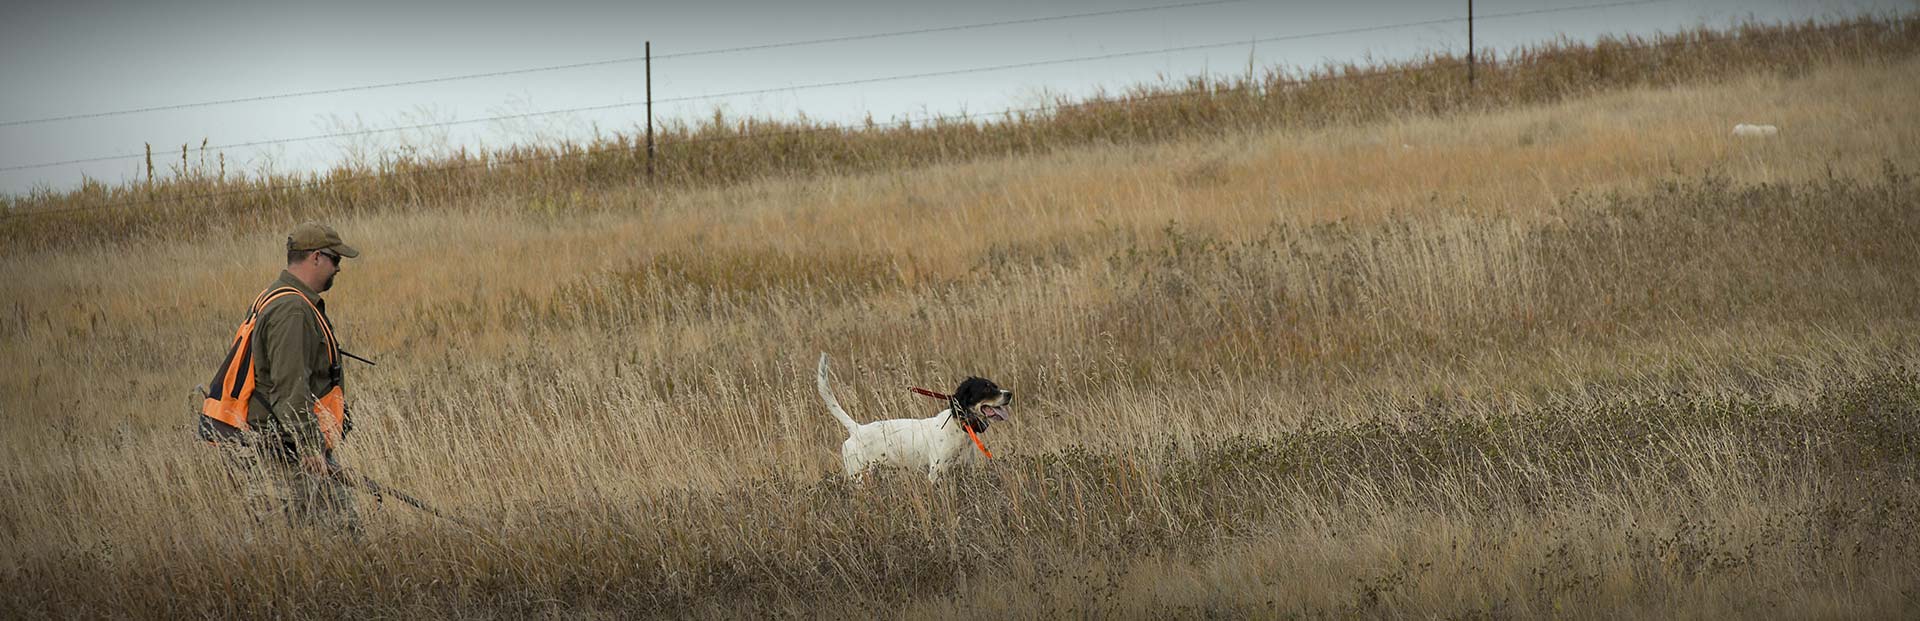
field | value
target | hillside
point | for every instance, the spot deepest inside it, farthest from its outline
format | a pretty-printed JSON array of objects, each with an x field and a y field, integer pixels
[
  {"x": 1572, "y": 354},
  {"x": 199, "y": 187}
]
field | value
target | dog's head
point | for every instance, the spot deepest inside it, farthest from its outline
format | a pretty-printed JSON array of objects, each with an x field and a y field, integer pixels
[{"x": 981, "y": 397}]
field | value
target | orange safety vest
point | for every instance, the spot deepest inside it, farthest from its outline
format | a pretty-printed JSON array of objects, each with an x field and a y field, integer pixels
[{"x": 224, "y": 415}]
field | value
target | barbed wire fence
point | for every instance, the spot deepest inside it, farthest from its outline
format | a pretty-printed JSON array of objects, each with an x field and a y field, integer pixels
[{"x": 931, "y": 120}]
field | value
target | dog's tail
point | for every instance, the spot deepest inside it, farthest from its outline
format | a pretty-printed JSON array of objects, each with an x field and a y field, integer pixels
[{"x": 833, "y": 405}]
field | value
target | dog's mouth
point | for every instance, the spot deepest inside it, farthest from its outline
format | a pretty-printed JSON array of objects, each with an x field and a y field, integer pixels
[{"x": 995, "y": 412}]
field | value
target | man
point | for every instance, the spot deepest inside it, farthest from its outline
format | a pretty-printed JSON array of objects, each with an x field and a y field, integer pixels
[{"x": 297, "y": 410}]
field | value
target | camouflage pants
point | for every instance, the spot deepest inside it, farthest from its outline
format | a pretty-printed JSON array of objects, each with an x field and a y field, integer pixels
[{"x": 277, "y": 491}]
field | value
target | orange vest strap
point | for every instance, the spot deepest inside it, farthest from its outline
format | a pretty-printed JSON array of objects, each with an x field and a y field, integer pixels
[{"x": 326, "y": 330}]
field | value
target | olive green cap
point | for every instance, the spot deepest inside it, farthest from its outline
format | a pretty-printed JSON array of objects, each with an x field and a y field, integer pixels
[{"x": 317, "y": 236}]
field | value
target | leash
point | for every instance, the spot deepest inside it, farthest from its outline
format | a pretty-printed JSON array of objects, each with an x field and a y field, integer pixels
[
  {"x": 976, "y": 441},
  {"x": 963, "y": 424}
]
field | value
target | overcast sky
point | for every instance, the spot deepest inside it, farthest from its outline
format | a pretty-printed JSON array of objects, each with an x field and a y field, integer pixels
[{"x": 80, "y": 57}]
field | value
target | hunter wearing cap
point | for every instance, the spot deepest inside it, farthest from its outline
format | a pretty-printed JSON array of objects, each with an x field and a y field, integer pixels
[{"x": 297, "y": 408}]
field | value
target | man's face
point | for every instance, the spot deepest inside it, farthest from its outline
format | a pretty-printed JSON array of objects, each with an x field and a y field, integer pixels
[{"x": 327, "y": 263}]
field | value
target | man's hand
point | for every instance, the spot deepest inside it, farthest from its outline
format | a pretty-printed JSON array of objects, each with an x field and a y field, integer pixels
[{"x": 316, "y": 465}]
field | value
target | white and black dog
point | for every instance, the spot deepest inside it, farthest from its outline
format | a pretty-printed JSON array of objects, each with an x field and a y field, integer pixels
[{"x": 935, "y": 443}]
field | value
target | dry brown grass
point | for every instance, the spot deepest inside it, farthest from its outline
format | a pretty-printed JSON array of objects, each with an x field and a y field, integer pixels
[{"x": 1585, "y": 358}]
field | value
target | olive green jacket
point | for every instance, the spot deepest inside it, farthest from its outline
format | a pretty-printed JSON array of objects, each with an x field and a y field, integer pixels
[{"x": 292, "y": 367}]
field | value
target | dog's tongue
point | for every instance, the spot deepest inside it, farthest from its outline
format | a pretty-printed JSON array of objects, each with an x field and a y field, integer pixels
[{"x": 995, "y": 413}]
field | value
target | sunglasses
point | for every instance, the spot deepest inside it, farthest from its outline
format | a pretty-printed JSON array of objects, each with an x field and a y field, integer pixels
[{"x": 332, "y": 257}]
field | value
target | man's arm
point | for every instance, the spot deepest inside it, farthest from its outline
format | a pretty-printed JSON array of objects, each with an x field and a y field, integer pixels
[{"x": 292, "y": 340}]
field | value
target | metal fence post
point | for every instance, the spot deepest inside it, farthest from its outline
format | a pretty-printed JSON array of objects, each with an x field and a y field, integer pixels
[{"x": 649, "y": 110}]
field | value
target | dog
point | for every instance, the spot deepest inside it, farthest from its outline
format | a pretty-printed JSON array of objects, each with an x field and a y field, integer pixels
[{"x": 935, "y": 443}]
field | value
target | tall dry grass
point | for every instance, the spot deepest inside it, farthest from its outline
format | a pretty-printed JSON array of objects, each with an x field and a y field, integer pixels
[{"x": 1585, "y": 358}]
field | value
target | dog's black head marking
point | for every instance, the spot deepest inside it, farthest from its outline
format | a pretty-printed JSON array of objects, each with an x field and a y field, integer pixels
[
  {"x": 975, "y": 390},
  {"x": 978, "y": 399}
]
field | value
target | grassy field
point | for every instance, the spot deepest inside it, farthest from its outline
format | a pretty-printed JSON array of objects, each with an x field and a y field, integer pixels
[{"x": 1583, "y": 355}]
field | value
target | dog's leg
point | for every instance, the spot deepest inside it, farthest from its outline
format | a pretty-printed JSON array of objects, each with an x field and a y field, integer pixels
[
  {"x": 859, "y": 472},
  {"x": 853, "y": 466}
]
